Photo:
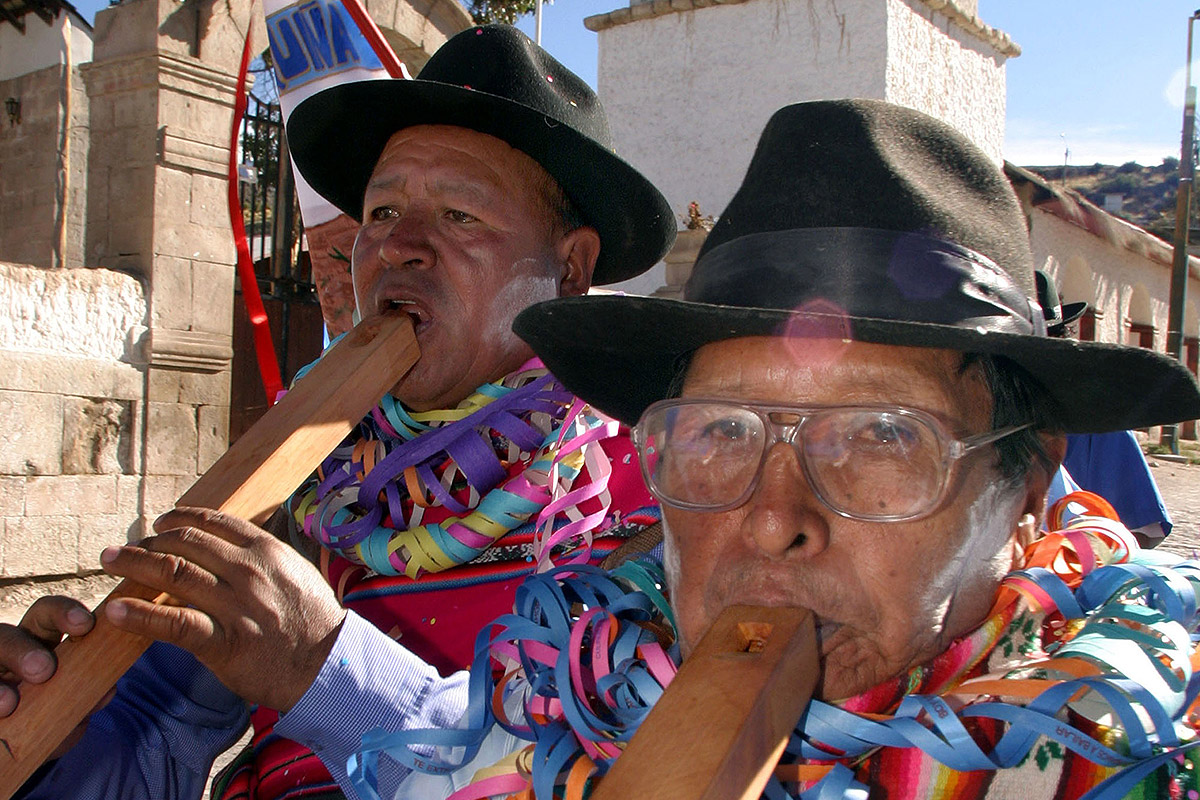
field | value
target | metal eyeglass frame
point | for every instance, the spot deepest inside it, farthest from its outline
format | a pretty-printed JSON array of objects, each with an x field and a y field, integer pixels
[{"x": 953, "y": 449}]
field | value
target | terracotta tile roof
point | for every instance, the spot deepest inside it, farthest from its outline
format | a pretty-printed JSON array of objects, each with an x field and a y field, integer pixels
[{"x": 1072, "y": 207}]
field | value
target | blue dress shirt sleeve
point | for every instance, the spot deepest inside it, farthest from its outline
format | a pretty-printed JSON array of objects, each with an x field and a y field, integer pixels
[
  {"x": 155, "y": 740},
  {"x": 370, "y": 681}
]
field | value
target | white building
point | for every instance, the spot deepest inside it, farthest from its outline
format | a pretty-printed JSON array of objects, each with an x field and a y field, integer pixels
[{"x": 689, "y": 85}]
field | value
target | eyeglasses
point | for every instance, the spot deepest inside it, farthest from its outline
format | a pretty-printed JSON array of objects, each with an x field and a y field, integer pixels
[{"x": 877, "y": 463}]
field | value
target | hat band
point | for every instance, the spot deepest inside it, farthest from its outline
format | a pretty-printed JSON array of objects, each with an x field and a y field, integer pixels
[{"x": 865, "y": 272}]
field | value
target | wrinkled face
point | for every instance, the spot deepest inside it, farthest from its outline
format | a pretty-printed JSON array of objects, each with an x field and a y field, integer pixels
[
  {"x": 458, "y": 232},
  {"x": 886, "y": 596}
]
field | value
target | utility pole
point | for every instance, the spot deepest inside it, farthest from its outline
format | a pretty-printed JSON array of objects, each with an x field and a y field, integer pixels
[
  {"x": 1066, "y": 156},
  {"x": 1183, "y": 220}
]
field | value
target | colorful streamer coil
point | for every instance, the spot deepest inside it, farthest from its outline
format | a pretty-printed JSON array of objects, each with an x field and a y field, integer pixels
[
  {"x": 606, "y": 637},
  {"x": 417, "y": 493},
  {"x": 1108, "y": 675}
]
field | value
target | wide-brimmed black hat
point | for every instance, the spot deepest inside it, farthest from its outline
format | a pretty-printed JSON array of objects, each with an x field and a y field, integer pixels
[
  {"x": 494, "y": 80},
  {"x": 860, "y": 220},
  {"x": 1058, "y": 315}
]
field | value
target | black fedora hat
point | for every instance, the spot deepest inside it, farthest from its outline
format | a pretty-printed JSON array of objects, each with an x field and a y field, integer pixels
[
  {"x": 495, "y": 80},
  {"x": 858, "y": 219},
  {"x": 1057, "y": 314}
]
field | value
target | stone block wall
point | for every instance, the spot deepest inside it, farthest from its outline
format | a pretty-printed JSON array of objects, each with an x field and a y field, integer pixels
[
  {"x": 27, "y": 196},
  {"x": 160, "y": 139},
  {"x": 120, "y": 166},
  {"x": 72, "y": 399},
  {"x": 41, "y": 220}
]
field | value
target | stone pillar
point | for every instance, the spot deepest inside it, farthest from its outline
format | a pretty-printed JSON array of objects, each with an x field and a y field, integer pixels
[
  {"x": 42, "y": 191},
  {"x": 680, "y": 260},
  {"x": 161, "y": 120}
]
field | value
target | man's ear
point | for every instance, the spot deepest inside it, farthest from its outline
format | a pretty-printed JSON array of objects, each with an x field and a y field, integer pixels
[
  {"x": 577, "y": 252},
  {"x": 1038, "y": 484}
]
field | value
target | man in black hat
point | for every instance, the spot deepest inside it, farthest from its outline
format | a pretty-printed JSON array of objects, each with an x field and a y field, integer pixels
[
  {"x": 487, "y": 184},
  {"x": 1109, "y": 464},
  {"x": 856, "y": 410}
]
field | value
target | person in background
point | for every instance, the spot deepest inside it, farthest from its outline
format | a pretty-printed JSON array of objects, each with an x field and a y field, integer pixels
[{"x": 1110, "y": 464}]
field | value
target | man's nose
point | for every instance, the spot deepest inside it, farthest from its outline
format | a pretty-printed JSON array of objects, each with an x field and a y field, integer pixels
[
  {"x": 785, "y": 515},
  {"x": 408, "y": 241}
]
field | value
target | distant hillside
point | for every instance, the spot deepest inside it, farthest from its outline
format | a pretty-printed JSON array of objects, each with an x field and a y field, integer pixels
[{"x": 1149, "y": 191}]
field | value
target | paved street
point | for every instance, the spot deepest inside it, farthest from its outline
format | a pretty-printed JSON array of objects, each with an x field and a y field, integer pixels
[{"x": 1180, "y": 487}]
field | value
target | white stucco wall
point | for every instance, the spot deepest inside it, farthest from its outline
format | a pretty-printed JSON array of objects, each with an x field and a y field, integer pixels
[
  {"x": 95, "y": 313},
  {"x": 43, "y": 45},
  {"x": 80, "y": 40},
  {"x": 688, "y": 92},
  {"x": 1115, "y": 273},
  {"x": 935, "y": 66}
]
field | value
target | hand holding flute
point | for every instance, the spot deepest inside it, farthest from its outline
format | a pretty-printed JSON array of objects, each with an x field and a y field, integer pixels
[{"x": 248, "y": 606}]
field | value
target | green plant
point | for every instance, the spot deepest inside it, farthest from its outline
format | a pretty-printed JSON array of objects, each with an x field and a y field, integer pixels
[
  {"x": 1124, "y": 183},
  {"x": 507, "y": 11}
]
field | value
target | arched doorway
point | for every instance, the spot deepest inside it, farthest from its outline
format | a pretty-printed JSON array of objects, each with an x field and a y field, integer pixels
[
  {"x": 1076, "y": 285},
  {"x": 1141, "y": 319}
]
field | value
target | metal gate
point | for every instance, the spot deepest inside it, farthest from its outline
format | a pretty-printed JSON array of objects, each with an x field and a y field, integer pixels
[{"x": 272, "y": 219}]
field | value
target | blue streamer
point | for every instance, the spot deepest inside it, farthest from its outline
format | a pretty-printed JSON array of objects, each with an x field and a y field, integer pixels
[{"x": 1135, "y": 620}]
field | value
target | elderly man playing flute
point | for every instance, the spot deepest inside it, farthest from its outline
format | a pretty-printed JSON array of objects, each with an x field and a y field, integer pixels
[{"x": 855, "y": 410}]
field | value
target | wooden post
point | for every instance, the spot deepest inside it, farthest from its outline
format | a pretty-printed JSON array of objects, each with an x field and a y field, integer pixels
[
  {"x": 722, "y": 724},
  {"x": 250, "y": 481}
]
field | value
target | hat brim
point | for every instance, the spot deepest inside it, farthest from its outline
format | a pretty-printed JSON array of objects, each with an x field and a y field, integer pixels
[
  {"x": 1072, "y": 312},
  {"x": 336, "y": 136},
  {"x": 621, "y": 353}
]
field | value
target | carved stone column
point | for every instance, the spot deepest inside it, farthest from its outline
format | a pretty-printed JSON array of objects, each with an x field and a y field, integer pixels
[
  {"x": 161, "y": 88},
  {"x": 680, "y": 260}
]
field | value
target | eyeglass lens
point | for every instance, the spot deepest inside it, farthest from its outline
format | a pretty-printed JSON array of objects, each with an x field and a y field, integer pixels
[{"x": 867, "y": 463}]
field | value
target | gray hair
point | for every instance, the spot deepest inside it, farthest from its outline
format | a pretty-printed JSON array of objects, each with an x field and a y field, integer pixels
[{"x": 1017, "y": 398}]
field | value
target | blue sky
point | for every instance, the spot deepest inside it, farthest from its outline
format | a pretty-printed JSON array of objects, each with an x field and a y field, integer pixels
[
  {"x": 1109, "y": 74},
  {"x": 1101, "y": 78}
]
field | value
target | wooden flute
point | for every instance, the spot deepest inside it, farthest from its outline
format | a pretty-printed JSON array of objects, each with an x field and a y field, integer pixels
[
  {"x": 722, "y": 723},
  {"x": 250, "y": 481}
]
